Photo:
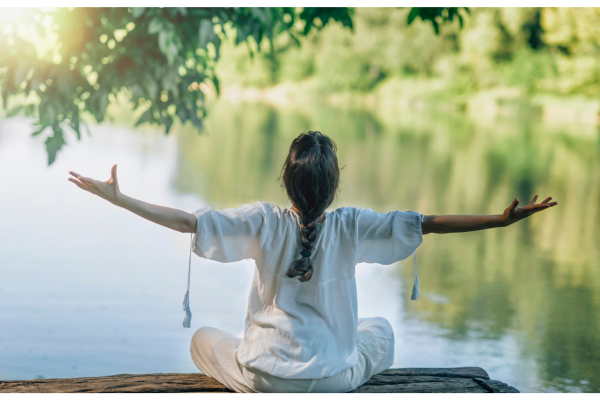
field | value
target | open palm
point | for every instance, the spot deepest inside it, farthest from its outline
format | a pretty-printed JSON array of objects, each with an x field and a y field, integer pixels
[
  {"x": 108, "y": 190},
  {"x": 513, "y": 213}
]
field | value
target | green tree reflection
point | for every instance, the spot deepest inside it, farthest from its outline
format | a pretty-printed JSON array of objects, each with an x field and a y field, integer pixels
[{"x": 538, "y": 280}]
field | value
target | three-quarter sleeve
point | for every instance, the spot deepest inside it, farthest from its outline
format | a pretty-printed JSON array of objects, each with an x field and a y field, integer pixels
[
  {"x": 386, "y": 238},
  {"x": 229, "y": 235}
]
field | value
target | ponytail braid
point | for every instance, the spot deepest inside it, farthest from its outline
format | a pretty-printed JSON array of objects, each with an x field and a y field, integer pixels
[
  {"x": 303, "y": 267},
  {"x": 311, "y": 178}
]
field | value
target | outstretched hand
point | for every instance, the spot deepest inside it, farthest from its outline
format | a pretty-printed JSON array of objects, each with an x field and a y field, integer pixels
[
  {"x": 513, "y": 213},
  {"x": 108, "y": 190}
]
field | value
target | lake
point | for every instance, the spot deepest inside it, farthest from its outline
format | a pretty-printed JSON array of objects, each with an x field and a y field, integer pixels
[{"x": 89, "y": 289}]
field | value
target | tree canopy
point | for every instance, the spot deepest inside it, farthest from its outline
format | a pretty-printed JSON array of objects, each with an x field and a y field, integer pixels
[{"x": 163, "y": 59}]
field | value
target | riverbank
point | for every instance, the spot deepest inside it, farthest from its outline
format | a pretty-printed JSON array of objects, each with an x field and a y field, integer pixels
[{"x": 407, "y": 95}]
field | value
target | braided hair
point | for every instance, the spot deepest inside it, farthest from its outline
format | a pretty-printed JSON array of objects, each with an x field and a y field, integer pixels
[{"x": 311, "y": 177}]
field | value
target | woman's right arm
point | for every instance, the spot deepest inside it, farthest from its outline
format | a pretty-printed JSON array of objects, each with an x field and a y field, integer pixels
[{"x": 178, "y": 220}]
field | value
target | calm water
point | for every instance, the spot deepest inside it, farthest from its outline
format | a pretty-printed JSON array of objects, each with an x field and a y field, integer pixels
[{"x": 88, "y": 289}]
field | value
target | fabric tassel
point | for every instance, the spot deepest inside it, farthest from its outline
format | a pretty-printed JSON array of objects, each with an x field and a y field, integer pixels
[
  {"x": 186, "y": 299},
  {"x": 186, "y": 307},
  {"x": 415, "y": 290}
]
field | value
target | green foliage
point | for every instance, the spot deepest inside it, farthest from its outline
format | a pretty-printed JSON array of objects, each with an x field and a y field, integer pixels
[
  {"x": 296, "y": 65},
  {"x": 339, "y": 68},
  {"x": 528, "y": 69},
  {"x": 435, "y": 14},
  {"x": 537, "y": 51},
  {"x": 162, "y": 58}
]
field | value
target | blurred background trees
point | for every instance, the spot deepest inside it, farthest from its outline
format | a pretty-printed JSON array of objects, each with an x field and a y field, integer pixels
[{"x": 538, "y": 50}]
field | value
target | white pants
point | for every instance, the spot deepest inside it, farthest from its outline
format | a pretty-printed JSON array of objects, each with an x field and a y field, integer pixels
[{"x": 214, "y": 353}]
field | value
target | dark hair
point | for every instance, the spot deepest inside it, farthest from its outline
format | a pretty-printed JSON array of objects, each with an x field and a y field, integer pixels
[{"x": 311, "y": 177}]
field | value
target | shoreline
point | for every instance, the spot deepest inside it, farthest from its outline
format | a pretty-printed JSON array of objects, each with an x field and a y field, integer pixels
[{"x": 499, "y": 102}]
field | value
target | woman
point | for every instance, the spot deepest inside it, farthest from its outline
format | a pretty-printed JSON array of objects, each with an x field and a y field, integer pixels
[{"x": 302, "y": 333}]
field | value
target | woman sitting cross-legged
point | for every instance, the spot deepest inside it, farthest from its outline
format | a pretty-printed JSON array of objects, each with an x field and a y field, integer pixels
[{"x": 302, "y": 331}]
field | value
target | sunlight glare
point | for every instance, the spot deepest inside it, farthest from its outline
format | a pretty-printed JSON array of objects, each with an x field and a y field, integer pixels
[{"x": 11, "y": 15}]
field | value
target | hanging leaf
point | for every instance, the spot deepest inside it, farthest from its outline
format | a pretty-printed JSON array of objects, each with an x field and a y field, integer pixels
[
  {"x": 54, "y": 143},
  {"x": 155, "y": 26},
  {"x": 137, "y": 12},
  {"x": 40, "y": 130},
  {"x": 206, "y": 33},
  {"x": 147, "y": 116},
  {"x": 414, "y": 13}
]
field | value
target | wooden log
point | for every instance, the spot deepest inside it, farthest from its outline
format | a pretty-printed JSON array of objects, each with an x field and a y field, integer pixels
[
  {"x": 434, "y": 380},
  {"x": 400, "y": 380},
  {"x": 151, "y": 383}
]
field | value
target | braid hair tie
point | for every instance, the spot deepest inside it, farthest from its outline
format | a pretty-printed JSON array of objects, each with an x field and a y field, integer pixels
[{"x": 305, "y": 253}]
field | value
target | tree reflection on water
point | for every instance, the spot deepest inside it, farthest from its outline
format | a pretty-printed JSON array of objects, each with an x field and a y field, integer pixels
[{"x": 538, "y": 280}]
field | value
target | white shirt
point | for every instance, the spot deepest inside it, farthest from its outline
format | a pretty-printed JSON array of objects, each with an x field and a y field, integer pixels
[{"x": 303, "y": 330}]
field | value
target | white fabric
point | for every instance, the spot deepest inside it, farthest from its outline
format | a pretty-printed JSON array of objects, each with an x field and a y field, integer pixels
[
  {"x": 303, "y": 330},
  {"x": 214, "y": 353}
]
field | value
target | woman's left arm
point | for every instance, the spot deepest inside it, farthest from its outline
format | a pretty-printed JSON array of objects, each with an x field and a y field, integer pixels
[
  {"x": 468, "y": 223},
  {"x": 172, "y": 218}
]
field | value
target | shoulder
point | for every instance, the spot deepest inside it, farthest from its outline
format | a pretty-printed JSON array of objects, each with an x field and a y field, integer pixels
[
  {"x": 344, "y": 216},
  {"x": 352, "y": 212},
  {"x": 266, "y": 207},
  {"x": 361, "y": 215},
  {"x": 273, "y": 212}
]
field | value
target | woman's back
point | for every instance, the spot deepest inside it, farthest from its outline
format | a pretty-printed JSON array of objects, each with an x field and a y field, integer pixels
[{"x": 303, "y": 330}]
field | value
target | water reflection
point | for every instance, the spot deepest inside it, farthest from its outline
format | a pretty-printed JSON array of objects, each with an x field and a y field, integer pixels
[
  {"x": 520, "y": 302},
  {"x": 537, "y": 282}
]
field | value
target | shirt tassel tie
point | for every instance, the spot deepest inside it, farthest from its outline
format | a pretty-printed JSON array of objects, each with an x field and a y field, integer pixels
[
  {"x": 186, "y": 299},
  {"x": 415, "y": 290},
  {"x": 186, "y": 308}
]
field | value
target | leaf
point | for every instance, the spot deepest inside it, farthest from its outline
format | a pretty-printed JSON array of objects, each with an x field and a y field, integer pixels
[
  {"x": 414, "y": 13},
  {"x": 182, "y": 113},
  {"x": 240, "y": 36},
  {"x": 168, "y": 123},
  {"x": 217, "y": 43},
  {"x": 163, "y": 42},
  {"x": 217, "y": 84},
  {"x": 436, "y": 26},
  {"x": 151, "y": 87},
  {"x": 137, "y": 91},
  {"x": 262, "y": 16},
  {"x": 14, "y": 111},
  {"x": 40, "y": 130},
  {"x": 155, "y": 26},
  {"x": 54, "y": 143},
  {"x": 206, "y": 33},
  {"x": 74, "y": 124},
  {"x": 29, "y": 110},
  {"x": 102, "y": 105},
  {"x": 147, "y": 116},
  {"x": 137, "y": 12},
  {"x": 195, "y": 120},
  {"x": 167, "y": 46}
]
